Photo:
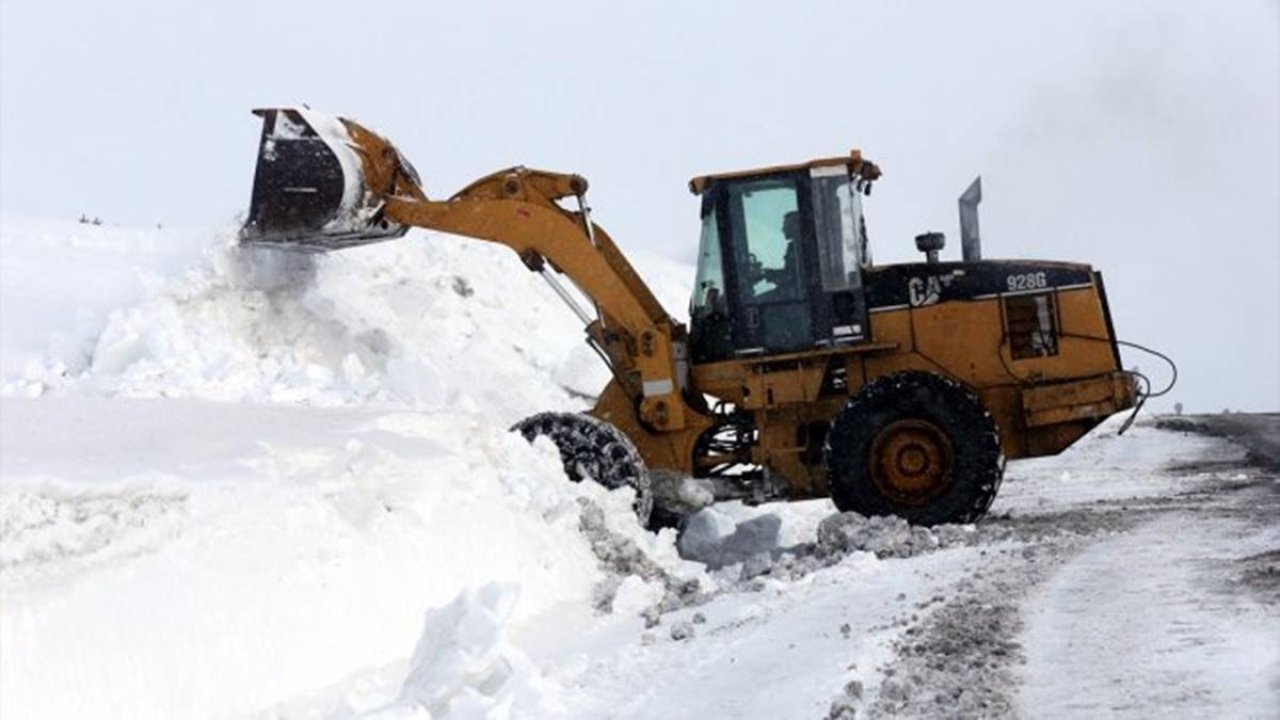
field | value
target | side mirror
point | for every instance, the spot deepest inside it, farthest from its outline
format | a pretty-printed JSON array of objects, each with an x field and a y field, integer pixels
[{"x": 712, "y": 296}]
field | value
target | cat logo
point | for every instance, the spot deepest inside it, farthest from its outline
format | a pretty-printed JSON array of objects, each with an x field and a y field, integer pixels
[{"x": 923, "y": 291}]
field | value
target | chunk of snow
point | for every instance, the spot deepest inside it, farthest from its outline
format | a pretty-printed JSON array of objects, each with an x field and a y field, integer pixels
[
  {"x": 703, "y": 533},
  {"x": 711, "y": 537},
  {"x": 463, "y": 665}
]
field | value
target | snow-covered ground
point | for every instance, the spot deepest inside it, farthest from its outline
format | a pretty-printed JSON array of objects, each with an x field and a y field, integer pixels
[
  {"x": 243, "y": 484},
  {"x": 230, "y": 480}
]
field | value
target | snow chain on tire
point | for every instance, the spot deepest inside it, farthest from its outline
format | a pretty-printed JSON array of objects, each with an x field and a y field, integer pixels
[
  {"x": 594, "y": 449},
  {"x": 914, "y": 405}
]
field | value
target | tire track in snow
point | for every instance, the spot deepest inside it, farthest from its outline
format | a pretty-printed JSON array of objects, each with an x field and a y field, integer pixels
[
  {"x": 1114, "y": 609},
  {"x": 47, "y": 526},
  {"x": 1145, "y": 621}
]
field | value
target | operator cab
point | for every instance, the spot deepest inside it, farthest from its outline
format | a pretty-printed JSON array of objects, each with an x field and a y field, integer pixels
[{"x": 780, "y": 259}]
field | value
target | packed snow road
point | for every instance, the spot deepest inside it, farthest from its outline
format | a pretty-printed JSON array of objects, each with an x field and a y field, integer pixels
[
  {"x": 1153, "y": 604},
  {"x": 1179, "y": 611},
  {"x": 285, "y": 489},
  {"x": 1132, "y": 576}
]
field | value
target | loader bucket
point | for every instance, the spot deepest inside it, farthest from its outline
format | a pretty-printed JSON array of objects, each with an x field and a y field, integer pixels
[{"x": 311, "y": 188}]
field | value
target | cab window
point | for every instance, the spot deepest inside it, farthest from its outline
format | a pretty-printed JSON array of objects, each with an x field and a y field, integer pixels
[
  {"x": 766, "y": 223},
  {"x": 708, "y": 288}
]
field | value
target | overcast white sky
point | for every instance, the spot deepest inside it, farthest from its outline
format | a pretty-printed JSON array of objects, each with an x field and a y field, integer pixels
[{"x": 1143, "y": 137}]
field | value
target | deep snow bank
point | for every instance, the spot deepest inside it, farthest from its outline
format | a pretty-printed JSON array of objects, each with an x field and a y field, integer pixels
[
  {"x": 429, "y": 321},
  {"x": 195, "y": 559},
  {"x": 60, "y": 279},
  {"x": 166, "y": 556}
]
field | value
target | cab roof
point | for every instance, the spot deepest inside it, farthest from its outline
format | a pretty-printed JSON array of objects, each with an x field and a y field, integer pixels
[{"x": 854, "y": 160}]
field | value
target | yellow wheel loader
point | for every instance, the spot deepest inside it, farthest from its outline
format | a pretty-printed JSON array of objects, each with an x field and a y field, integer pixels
[{"x": 806, "y": 370}]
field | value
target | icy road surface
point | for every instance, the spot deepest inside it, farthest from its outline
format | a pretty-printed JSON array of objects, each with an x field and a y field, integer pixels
[
  {"x": 1104, "y": 585},
  {"x": 265, "y": 487}
]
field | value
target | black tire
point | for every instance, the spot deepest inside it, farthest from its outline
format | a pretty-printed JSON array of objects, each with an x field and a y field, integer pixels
[
  {"x": 592, "y": 448},
  {"x": 916, "y": 445}
]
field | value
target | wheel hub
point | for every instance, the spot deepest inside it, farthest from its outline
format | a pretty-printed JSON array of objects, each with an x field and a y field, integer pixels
[{"x": 912, "y": 461}]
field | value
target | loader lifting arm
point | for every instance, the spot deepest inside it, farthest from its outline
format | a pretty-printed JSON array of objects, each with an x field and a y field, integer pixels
[{"x": 323, "y": 183}]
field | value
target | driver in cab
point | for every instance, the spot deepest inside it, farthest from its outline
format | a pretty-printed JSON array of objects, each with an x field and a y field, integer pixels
[{"x": 786, "y": 280}]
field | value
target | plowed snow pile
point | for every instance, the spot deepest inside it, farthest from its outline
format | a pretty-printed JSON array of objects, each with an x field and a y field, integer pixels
[
  {"x": 426, "y": 322},
  {"x": 167, "y": 556}
]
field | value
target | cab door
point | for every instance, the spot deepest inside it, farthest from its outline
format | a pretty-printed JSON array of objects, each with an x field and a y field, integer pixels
[{"x": 765, "y": 222}]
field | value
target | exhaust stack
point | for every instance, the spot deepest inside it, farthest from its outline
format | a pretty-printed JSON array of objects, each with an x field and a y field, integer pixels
[{"x": 970, "y": 239}]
